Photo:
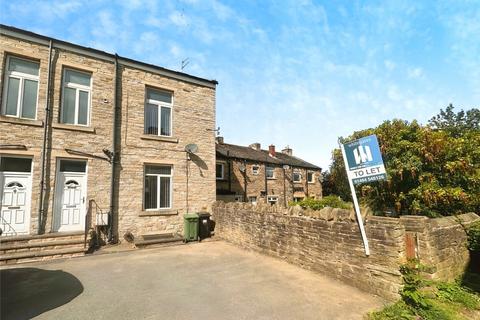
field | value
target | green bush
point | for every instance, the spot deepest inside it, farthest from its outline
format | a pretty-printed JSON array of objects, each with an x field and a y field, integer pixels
[
  {"x": 473, "y": 234},
  {"x": 328, "y": 201},
  {"x": 429, "y": 300}
]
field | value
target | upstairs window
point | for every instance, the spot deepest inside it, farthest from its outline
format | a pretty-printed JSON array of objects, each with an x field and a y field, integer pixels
[
  {"x": 21, "y": 88},
  {"x": 297, "y": 177},
  {"x": 310, "y": 177},
  {"x": 76, "y": 97},
  {"x": 220, "y": 171},
  {"x": 158, "y": 187},
  {"x": 158, "y": 113},
  {"x": 255, "y": 169},
  {"x": 270, "y": 171}
]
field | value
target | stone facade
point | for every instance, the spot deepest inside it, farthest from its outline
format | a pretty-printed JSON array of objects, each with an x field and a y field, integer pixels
[
  {"x": 245, "y": 180},
  {"x": 328, "y": 241},
  {"x": 193, "y": 112}
]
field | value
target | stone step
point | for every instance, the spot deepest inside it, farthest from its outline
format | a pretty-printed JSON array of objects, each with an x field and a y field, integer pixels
[
  {"x": 45, "y": 245},
  {"x": 48, "y": 237},
  {"x": 149, "y": 240},
  {"x": 31, "y": 256}
]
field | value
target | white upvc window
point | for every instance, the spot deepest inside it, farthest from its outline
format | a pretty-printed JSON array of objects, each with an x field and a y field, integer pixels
[
  {"x": 158, "y": 112},
  {"x": 76, "y": 97},
  {"x": 297, "y": 176},
  {"x": 157, "y": 187},
  {"x": 272, "y": 199},
  {"x": 270, "y": 172},
  {"x": 238, "y": 198},
  {"x": 20, "y": 92},
  {"x": 310, "y": 177},
  {"x": 255, "y": 169},
  {"x": 220, "y": 170},
  {"x": 252, "y": 199}
]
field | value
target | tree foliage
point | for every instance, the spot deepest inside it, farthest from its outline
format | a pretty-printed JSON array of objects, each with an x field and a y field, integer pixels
[{"x": 432, "y": 170}]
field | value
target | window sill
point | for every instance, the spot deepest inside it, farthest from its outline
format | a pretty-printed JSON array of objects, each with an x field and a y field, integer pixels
[
  {"x": 21, "y": 121},
  {"x": 166, "y": 212},
  {"x": 271, "y": 178},
  {"x": 159, "y": 138},
  {"x": 73, "y": 127}
]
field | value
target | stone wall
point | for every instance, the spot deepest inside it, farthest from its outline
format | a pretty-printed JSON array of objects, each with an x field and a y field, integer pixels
[{"x": 329, "y": 242}]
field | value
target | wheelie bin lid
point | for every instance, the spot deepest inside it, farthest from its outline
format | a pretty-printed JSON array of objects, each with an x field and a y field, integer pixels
[
  {"x": 203, "y": 214},
  {"x": 190, "y": 216}
]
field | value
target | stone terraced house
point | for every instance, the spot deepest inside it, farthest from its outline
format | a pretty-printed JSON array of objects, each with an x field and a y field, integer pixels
[
  {"x": 89, "y": 138},
  {"x": 250, "y": 174}
]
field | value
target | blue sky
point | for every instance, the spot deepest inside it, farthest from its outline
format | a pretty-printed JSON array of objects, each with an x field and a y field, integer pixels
[{"x": 298, "y": 73}]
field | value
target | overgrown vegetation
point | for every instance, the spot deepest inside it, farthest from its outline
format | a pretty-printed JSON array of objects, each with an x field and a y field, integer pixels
[
  {"x": 328, "y": 201},
  {"x": 473, "y": 237},
  {"x": 423, "y": 299},
  {"x": 432, "y": 170}
]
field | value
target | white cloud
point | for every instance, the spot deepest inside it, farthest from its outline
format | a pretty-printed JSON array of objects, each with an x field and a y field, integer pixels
[
  {"x": 390, "y": 65},
  {"x": 415, "y": 73},
  {"x": 178, "y": 18}
]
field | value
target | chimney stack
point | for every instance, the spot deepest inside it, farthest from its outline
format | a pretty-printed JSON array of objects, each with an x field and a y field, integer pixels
[
  {"x": 271, "y": 150},
  {"x": 219, "y": 140},
  {"x": 255, "y": 146},
  {"x": 287, "y": 150}
]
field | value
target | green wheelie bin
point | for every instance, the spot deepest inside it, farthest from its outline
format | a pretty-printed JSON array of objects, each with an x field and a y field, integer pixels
[{"x": 190, "y": 227}]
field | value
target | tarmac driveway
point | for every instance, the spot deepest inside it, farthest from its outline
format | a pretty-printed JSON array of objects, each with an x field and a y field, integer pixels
[{"x": 208, "y": 280}]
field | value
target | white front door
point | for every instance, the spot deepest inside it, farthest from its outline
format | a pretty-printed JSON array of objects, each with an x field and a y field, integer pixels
[
  {"x": 16, "y": 191},
  {"x": 70, "y": 198}
]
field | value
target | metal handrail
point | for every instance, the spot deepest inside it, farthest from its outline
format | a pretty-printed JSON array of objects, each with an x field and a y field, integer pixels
[{"x": 9, "y": 225}]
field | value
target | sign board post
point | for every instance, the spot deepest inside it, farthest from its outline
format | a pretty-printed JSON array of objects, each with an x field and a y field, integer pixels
[{"x": 363, "y": 163}]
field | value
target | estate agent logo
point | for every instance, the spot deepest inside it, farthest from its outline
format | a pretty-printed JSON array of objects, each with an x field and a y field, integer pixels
[{"x": 362, "y": 154}]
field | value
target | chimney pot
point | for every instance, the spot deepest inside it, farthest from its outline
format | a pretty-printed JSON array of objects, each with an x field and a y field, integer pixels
[
  {"x": 219, "y": 140},
  {"x": 271, "y": 150}
]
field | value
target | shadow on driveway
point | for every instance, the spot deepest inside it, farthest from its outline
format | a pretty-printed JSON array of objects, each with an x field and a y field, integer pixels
[{"x": 29, "y": 292}]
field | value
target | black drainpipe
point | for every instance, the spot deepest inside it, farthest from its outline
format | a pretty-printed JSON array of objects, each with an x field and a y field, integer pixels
[
  {"x": 112, "y": 233},
  {"x": 44, "y": 142},
  {"x": 266, "y": 184},
  {"x": 245, "y": 181}
]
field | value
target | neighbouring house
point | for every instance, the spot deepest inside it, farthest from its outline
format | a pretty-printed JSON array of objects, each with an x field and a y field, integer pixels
[
  {"x": 91, "y": 138},
  {"x": 250, "y": 174}
]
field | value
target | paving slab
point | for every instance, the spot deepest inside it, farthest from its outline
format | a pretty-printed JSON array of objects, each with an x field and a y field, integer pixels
[{"x": 211, "y": 280}]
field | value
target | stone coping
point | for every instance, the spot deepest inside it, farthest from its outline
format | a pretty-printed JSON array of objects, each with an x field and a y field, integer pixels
[{"x": 335, "y": 214}]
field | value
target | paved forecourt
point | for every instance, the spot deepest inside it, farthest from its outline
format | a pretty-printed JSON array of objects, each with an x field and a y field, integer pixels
[{"x": 209, "y": 280}]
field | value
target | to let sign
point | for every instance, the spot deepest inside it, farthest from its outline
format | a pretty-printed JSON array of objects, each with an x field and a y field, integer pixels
[{"x": 364, "y": 160}]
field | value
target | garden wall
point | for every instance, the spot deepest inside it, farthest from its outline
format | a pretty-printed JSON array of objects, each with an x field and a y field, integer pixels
[{"x": 329, "y": 242}]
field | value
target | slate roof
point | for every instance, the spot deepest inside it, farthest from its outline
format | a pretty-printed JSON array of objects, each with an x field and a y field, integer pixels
[{"x": 248, "y": 153}]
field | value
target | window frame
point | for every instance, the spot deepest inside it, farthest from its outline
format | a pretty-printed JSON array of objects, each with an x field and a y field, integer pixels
[
  {"x": 271, "y": 201},
  {"x": 313, "y": 176},
  {"x": 22, "y": 77},
  {"x": 78, "y": 88},
  {"x": 223, "y": 170},
  {"x": 159, "y": 105},
  {"x": 257, "y": 171},
  {"x": 250, "y": 198},
  {"x": 299, "y": 177},
  {"x": 158, "y": 175},
  {"x": 273, "y": 172}
]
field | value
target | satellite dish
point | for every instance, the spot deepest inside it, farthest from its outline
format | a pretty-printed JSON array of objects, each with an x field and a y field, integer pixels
[
  {"x": 191, "y": 148},
  {"x": 286, "y": 166}
]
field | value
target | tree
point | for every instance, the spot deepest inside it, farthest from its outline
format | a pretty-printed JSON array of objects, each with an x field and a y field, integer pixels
[
  {"x": 432, "y": 170},
  {"x": 456, "y": 123}
]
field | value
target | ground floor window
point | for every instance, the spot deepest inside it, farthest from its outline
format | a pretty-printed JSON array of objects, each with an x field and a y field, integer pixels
[
  {"x": 252, "y": 200},
  {"x": 272, "y": 199},
  {"x": 238, "y": 198},
  {"x": 158, "y": 187}
]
